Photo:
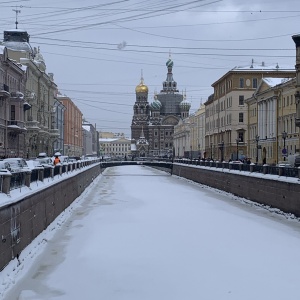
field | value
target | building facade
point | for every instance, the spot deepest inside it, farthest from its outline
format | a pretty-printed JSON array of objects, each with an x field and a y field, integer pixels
[
  {"x": 115, "y": 148},
  {"x": 90, "y": 139},
  {"x": 226, "y": 112},
  {"x": 73, "y": 144},
  {"x": 272, "y": 132},
  {"x": 58, "y": 124},
  {"x": 39, "y": 96},
  {"x": 12, "y": 106}
]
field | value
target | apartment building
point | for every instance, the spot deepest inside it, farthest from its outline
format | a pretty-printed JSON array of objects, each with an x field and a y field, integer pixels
[
  {"x": 226, "y": 113},
  {"x": 118, "y": 147},
  {"x": 39, "y": 94},
  {"x": 73, "y": 136},
  {"x": 12, "y": 106}
]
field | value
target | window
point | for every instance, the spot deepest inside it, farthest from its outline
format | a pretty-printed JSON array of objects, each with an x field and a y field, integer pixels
[
  {"x": 12, "y": 112},
  {"x": 254, "y": 83},
  {"x": 241, "y": 117},
  {"x": 241, "y": 82},
  {"x": 241, "y": 137},
  {"x": 241, "y": 100}
]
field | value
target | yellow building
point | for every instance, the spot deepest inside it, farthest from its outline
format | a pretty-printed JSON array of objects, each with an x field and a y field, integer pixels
[
  {"x": 272, "y": 132},
  {"x": 117, "y": 147}
]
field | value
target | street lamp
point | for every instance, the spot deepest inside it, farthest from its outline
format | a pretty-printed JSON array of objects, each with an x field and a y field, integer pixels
[
  {"x": 284, "y": 135},
  {"x": 221, "y": 147},
  {"x": 191, "y": 152},
  {"x": 199, "y": 154},
  {"x": 211, "y": 145},
  {"x": 237, "y": 148},
  {"x": 257, "y": 140}
]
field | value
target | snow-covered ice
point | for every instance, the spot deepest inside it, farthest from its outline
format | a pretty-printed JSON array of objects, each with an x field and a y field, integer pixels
[{"x": 140, "y": 234}]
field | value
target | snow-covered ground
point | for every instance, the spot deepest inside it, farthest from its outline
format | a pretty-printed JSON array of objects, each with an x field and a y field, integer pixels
[{"x": 140, "y": 234}]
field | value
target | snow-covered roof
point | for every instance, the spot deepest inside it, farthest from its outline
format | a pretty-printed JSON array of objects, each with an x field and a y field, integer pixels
[
  {"x": 274, "y": 81},
  {"x": 18, "y": 46},
  {"x": 87, "y": 128},
  {"x": 103, "y": 140},
  {"x": 108, "y": 140},
  {"x": 264, "y": 67}
]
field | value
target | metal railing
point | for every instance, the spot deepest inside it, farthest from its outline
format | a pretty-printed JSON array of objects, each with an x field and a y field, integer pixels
[
  {"x": 253, "y": 168},
  {"x": 15, "y": 180}
]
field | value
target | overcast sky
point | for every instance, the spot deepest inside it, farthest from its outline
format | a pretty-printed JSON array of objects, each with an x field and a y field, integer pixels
[{"x": 98, "y": 51}]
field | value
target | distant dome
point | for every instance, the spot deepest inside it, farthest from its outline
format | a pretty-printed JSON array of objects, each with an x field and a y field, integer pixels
[
  {"x": 156, "y": 105},
  {"x": 17, "y": 40},
  {"x": 169, "y": 63},
  {"x": 185, "y": 105}
]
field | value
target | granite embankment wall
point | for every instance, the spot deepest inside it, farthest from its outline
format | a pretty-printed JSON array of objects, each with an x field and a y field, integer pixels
[
  {"x": 22, "y": 221},
  {"x": 283, "y": 195}
]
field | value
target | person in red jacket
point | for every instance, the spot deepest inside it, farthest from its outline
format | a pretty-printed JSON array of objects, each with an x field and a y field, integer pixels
[{"x": 56, "y": 160}]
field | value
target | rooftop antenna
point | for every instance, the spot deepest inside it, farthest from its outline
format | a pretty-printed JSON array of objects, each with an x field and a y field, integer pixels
[{"x": 17, "y": 11}]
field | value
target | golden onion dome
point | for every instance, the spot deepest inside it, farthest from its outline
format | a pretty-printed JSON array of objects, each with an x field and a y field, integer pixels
[{"x": 141, "y": 88}]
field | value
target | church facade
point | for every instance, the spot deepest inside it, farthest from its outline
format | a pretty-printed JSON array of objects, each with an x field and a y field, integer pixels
[{"x": 152, "y": 126}]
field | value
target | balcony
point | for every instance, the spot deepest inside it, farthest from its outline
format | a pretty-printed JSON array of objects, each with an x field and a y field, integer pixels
[
  {"x": 4, "y": 90},
  {"x": 54, "y": 133},
  {"x": 17, "y": 95},
  {"x": 15, "y": 127}
]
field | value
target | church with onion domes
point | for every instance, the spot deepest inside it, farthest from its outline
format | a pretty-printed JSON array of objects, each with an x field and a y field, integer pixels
[{"x": 152, "y": 125}]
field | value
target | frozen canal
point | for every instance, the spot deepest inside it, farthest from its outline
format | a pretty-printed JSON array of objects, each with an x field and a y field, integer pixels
[{"x": 141, "y": 234}]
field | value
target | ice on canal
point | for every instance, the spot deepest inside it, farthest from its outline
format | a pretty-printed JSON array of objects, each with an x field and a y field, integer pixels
[{"x": 140, "y": 234}]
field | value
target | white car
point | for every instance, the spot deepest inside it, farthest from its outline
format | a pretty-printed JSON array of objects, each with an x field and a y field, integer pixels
[{"x": 17, "y": 164}]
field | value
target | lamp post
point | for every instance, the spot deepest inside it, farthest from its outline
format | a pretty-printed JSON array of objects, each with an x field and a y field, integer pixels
[
  {"x": 221, "y": 147},
  {"x": 199, "y": 154},
  {"x": 190, "y": 152},
  {"x": 211, "y": 145},
  {"x": 237, "y": 148},
  {"x": 257, "y": 140},
  {"x": 284, "y": 135}
]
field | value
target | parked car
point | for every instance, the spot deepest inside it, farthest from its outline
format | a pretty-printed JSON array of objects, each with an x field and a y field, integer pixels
[
  {"x": 17, "y": 164},
  {"x": 284, "y": 164},
  {"x": 34, "y": 164},
  {"x": 236, "y": 162},
  {"x": 45, "y": 162},
  {"x": 4, "y": 167}
]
